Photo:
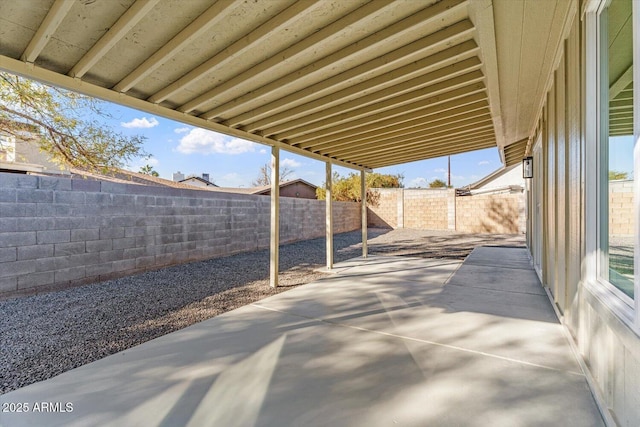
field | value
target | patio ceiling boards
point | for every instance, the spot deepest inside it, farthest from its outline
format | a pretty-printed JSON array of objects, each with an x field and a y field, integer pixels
[{"x": 362, "y": 84}]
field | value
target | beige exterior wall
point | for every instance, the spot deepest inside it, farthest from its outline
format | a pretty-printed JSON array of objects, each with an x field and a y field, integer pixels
[
  {"x": 29, "y": 152},
  {"x": 607, "y": 344}
]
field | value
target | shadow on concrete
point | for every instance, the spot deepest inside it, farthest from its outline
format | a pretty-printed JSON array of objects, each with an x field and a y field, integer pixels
[
  {"x": 56, "y": 332},
  {"x": 354, "y": 349},
  {"x": 440, "y": 244}
]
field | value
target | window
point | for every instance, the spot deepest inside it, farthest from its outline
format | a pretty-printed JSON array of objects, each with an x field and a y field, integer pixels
[
  {"x": 7, "y": 148},
  {"x": 617, "y": 212}
]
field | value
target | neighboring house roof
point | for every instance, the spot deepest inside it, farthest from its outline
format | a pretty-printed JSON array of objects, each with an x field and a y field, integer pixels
[
  {"x": 492, "y": 177},
  {"x": 20, "y": 167},
  {"x": 197, "y": 178},
  {"x": 507, "y": 181},
  {"x": 265, "y": 189},
  {"x": 129, "y": 177}
]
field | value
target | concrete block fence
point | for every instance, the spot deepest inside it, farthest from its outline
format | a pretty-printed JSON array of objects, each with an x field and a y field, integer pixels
[
  {"x": 56, "y": 232},
  {"x": 440, "y": 209},
  {"x": 491, "y": 213},
  {"x": 621, "y": 208}
]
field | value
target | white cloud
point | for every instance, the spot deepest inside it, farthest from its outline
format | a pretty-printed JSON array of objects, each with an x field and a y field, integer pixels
[
  {"x": 418, "y": 183},
  {"x": 483, "y": 162},
  {"x": 141, "y": 123},
  {"x": 440, "y": 170},
  {"x": 182, "y": 130},
  {"x": 263, "y": 151},
  {"x": 290, "y": 163},
  {"x": 207, "y": 142}
]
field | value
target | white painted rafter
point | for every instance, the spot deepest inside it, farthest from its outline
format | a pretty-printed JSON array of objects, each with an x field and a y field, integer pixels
[
  {"x": 440, "y": 119},
  {"x": 350, "y": 111},
  {"x": 379, "y": 124},
  {"x": 212, "y": 16},
  {"x": 622, "y": 83},
  {"x": 47, "y": 28},
  {"x": 391, "y": 82},
  {"x": 424, "y": 18},
  {"x": 277, "y": 23},
  {"x": 464, "y": 94},
  {"x": 421, "y": 152},
  {"x": 386, "y": 63},
  {"x": 477, "y": 122},
  {"x": 127, "y": 21},
  {"x": 381, "y": 98},
  {"x": 386, "y": 145},
  {"x": 289, "y": 54}
]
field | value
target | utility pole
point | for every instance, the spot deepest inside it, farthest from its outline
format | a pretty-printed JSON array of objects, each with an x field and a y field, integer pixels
[{"x": 449, "y": 173}]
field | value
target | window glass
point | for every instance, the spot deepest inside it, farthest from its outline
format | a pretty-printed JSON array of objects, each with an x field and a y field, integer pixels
[{"x": 617, "y": 225}]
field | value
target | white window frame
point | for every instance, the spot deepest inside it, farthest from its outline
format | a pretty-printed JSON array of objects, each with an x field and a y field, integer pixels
[{"x": 627, "y": 309}]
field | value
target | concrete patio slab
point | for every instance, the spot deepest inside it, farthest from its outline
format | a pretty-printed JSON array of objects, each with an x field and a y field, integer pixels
[
  {"x": 505, "y": 256},
  {"x": 506, "y": 279},
  {"x": 369, "y": 346}
]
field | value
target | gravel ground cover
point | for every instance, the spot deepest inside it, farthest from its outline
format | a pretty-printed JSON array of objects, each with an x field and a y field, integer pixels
[{"x": 45, "y": 335}]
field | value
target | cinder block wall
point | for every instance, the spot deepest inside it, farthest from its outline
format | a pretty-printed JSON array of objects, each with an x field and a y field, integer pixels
[
  {"x": 491, "y": 213},
  {"x": 440, "y": 209},
  {"x": 59, "y": 231},
  {"x": 385, "y": 212},
  {"x": 427, "y": 209},
  {"x": 621, "y": 220}
]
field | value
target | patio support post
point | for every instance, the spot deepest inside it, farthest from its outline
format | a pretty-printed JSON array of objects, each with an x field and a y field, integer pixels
[
  {"x": 329, "y": 217},
  {"x": 275, "y": 217},
  {"x": 363, "y": 206}
]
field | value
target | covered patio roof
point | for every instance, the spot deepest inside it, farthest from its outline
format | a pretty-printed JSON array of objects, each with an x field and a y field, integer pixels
[{"x": 362, "y": 84}]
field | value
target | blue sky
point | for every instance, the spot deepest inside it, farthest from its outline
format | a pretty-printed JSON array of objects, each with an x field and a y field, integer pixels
[
  {"x": 233, "y": 162},
  {"x": 621, "y": 154}
]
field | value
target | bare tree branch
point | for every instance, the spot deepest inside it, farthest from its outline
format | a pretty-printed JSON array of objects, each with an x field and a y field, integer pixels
[{"x": 65, "y": 124}]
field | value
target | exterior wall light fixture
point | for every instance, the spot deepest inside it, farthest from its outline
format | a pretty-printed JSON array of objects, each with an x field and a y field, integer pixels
[{"x": 527, "y": 167}]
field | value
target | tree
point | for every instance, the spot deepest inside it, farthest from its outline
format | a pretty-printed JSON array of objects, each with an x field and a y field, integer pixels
[
  {"x": 264, "y": 176},
  {"x": 437, "y": 183},
  {"x": 616, "y": 175},
  {"x": 347, "y": 189},
  {"x": 148, "y": 170},
  {"x": 64, "y": 124}
]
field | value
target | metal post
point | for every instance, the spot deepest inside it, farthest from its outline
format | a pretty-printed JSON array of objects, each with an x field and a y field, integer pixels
[
  {"x": 275, "y": 217},
  {"x": 329, "y": 217},
  {"x": 363, "y": 205}
]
